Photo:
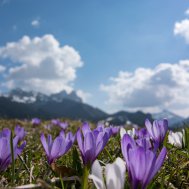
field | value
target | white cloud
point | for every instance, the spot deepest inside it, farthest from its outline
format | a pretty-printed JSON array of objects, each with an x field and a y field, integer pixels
[
  {"x": 165, "y": 86},
  {"x": 83, "y": 95},
  {"x": 182, "y": 28},
  {"x": 35, "y": 23},
  {"x": 2, "y": 68},
  {"x": 41, "y": 64}
]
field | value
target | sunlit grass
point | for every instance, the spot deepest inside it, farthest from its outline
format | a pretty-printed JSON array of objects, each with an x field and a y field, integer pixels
[{"x": 32, "y": 166}]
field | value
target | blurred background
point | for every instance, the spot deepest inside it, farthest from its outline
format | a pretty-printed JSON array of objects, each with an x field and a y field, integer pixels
[{"x": 95, "y": 60}]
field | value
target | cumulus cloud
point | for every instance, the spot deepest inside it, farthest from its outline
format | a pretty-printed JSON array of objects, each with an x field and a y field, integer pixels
[
  {"x": 165, "y": 86},
  {"x": 83, "y": 95},
  {"x": 182, "y": 28},
  {"x": 41, "y": 64},
  {"x": 35, "y": 23}
]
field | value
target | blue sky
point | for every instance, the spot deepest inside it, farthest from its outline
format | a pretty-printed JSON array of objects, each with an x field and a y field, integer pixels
[{"x": 108, "y": 41}]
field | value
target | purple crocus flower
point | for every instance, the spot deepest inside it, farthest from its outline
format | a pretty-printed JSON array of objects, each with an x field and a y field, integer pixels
[
  {"x": 36, "y": 121},
  {"x": 115, "y": 130},
  {"x": 158, "y": 130},
  {"x": 63, "y": 125},
  {"x": 5, "y": 149},
  {"x": 142, "y": 133},
  {"x": 142, "y": 163},
  {"x": 101, "y": 128},
  {"x": 20, "y": 132},
  {"x": 55, "y": 121},
  {"x": 58, "y": 147},
  {"x": 69, "y": 136},
  {"x": 146, "y": 143},
  {"x": 91, "y": 143}
]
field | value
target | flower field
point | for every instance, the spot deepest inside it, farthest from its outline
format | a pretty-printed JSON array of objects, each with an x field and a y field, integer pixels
[{"x": 71, "y": 154}]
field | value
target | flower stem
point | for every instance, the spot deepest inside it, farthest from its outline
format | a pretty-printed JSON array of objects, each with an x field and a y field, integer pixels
[
  {"x": 85, "y": 178},
  {"x": 12, "y": 157}
]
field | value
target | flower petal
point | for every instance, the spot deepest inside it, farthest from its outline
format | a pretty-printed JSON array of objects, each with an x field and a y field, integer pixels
[
  {"x": 80, "y": 141},
  {"x": 158, "y": 163},
  {"x": 122, "y": 132},
  {"x": 89, "y": 148},
  {"x": 44, "y": 143},
  {"x": 56, "y": 147},
  {"x": 96, "y": 175},
  {"x": 115, "y": 174}
]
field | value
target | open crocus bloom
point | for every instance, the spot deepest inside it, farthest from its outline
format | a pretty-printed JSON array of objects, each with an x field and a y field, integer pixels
[
  {"x": 91, "y": 143},
  {"x": 69, "y": 136},
  {"x": 5, "y": 149},
  {"x": 142, "y": 163},
  {"x": 158, "y": 130},
  {"x": 114, "y": 174},
  {"x": 58, "y": 147},
  {"x": 175, "y": 139}
]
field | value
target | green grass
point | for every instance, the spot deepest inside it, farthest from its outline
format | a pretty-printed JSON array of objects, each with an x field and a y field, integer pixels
[{"x": 32, "y": 167}]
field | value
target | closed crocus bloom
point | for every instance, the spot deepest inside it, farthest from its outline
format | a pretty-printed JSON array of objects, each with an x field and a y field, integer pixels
[
  {"x": 114, "y": 175},
  {"x": 36, "y": 121},
  {"x": 55, "y": 149},
  {"x": 142, "y": 163},
  {"x": 175, "y": 139},
  {"x": 20, "y": 132},
  {"x": 5, "y": 149},
  {"x": 63, "y": 125},
  {"x": 158, "y": 130},
  {"x": 129, "y": 132},
  {"x": 115, "y": 130},
  {"x": 55, "y": 121},
  {"x": 122, "y": 132},
  {"x": 91, "y": 143}
]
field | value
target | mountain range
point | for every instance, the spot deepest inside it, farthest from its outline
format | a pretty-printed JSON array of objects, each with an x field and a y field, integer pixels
[{"x": 27, "y": 104}]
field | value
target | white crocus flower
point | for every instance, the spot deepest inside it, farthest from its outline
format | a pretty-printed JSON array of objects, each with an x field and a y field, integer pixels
[
  {"x": 175, "y": 139},
  {"x": 114, "y": 175},
  {"x": 129, "y": 132}
]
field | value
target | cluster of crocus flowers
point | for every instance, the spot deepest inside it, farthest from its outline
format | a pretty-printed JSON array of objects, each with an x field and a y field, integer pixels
[
  {"x": 5, "y": 146},
  {"x": 57, "y": 122},
  {"x": 114, "y": 175},
  {"x": 140, "y": 154},
  {"x": 57, "y": 148}
]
